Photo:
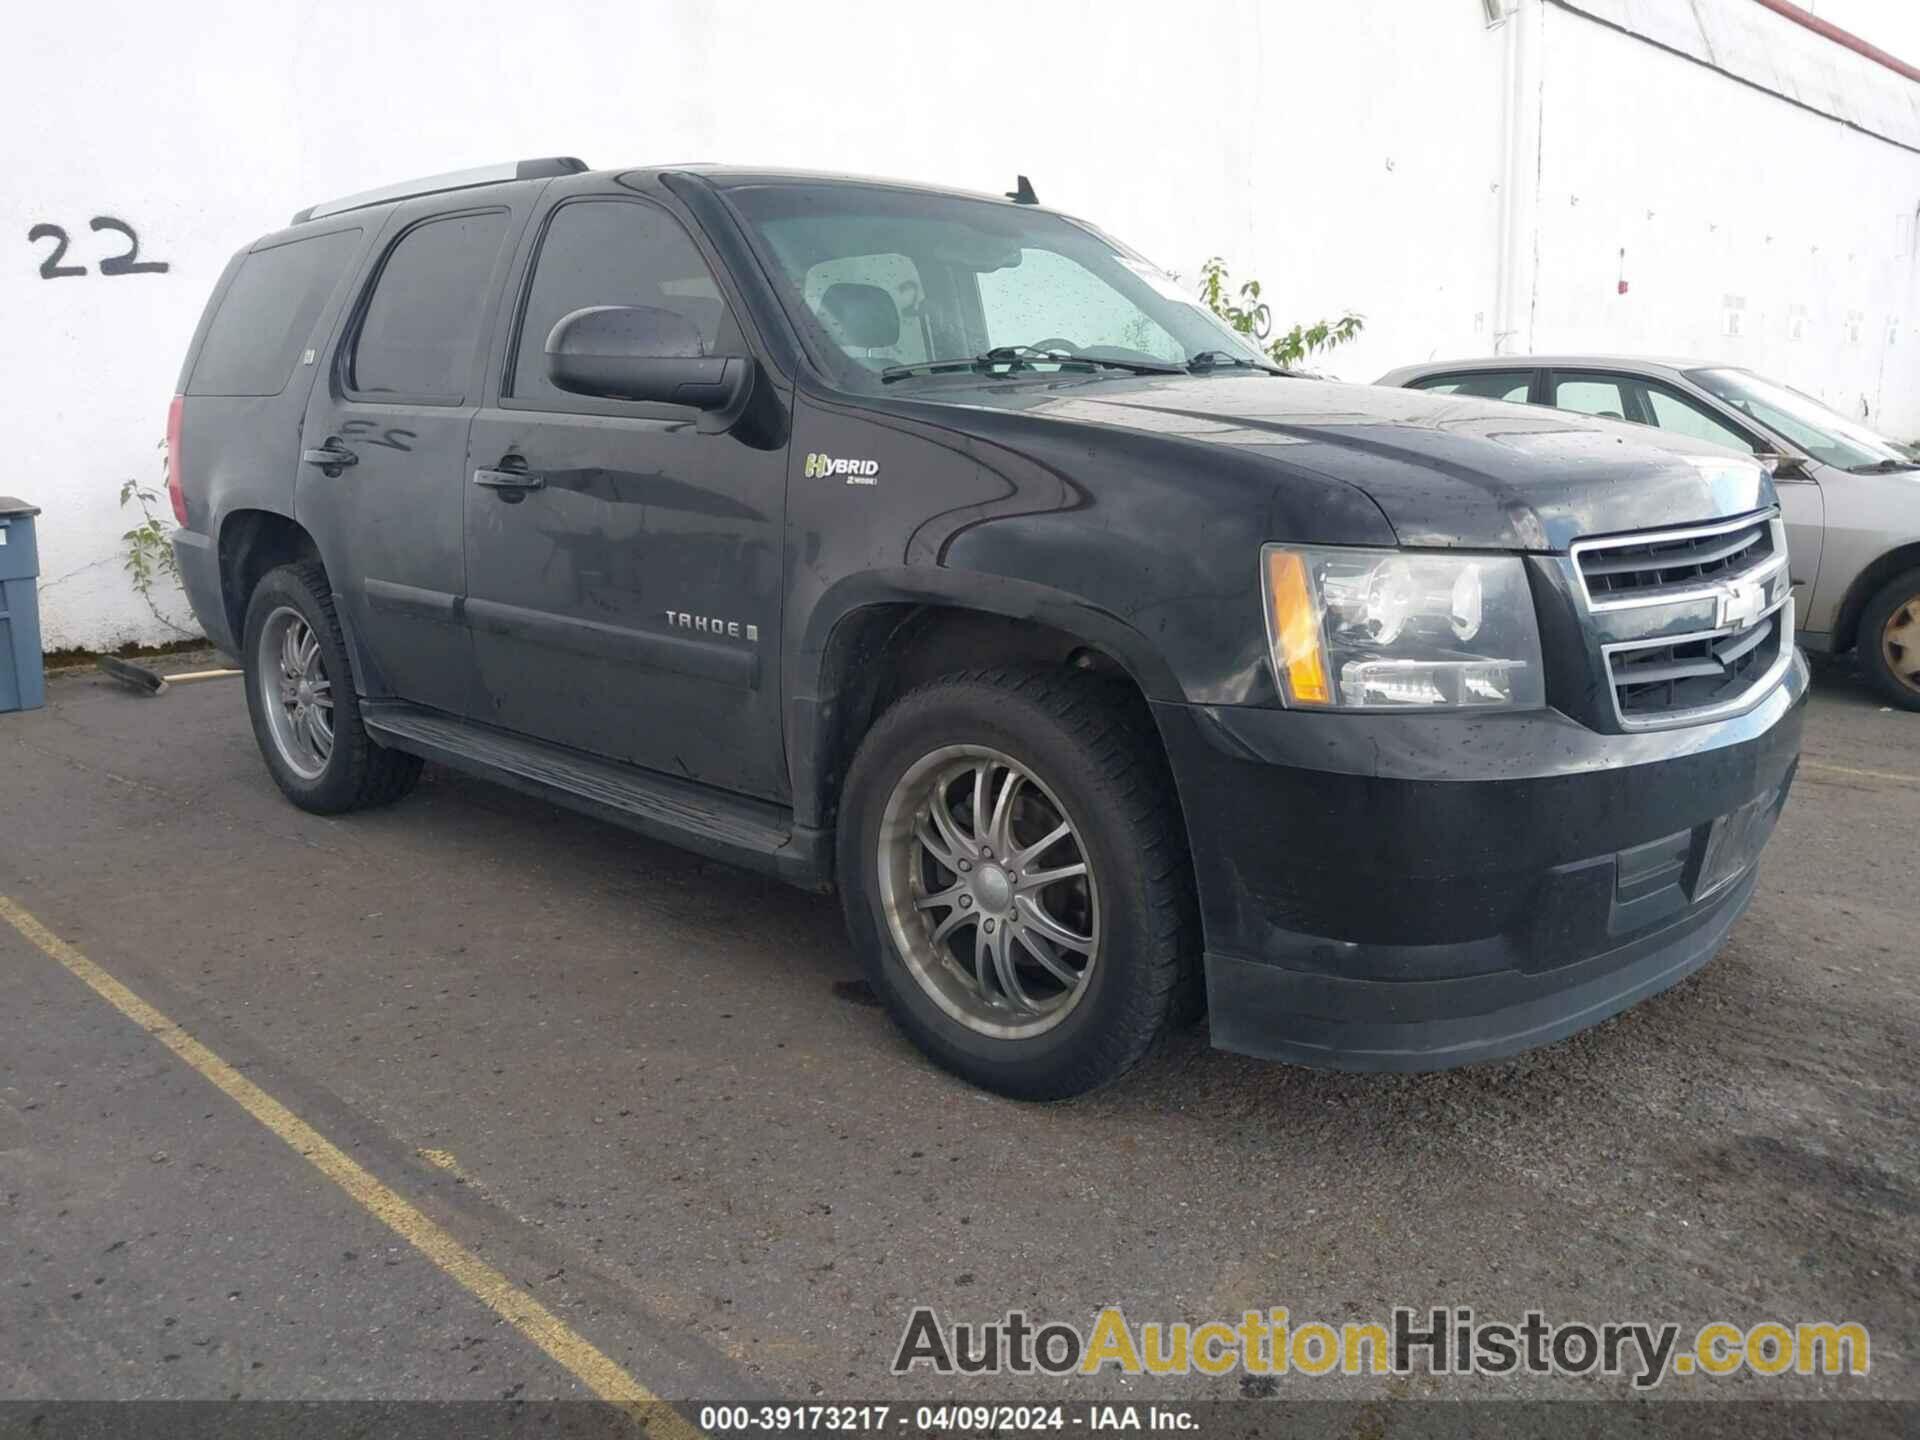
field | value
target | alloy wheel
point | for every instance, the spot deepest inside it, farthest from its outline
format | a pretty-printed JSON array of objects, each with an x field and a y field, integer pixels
[
  {"x": 989, "y": 892},
  {"x": 295, "y": 692}
]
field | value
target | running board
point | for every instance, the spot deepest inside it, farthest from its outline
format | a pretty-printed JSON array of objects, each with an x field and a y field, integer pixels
[{"x": 750, "y": 833}]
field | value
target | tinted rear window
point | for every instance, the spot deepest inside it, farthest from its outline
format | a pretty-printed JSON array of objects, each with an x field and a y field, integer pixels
[
  {"x": 1483, "y": 384},
  {"x": 418, "y": 336},
  {"x": 266, "y": 317}
]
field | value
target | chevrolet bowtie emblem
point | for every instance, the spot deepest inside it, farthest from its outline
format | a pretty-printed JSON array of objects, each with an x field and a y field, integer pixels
[{"x": 1739, "y": 604}]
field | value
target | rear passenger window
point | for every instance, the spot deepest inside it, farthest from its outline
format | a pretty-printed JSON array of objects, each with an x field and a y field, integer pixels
[
  {"x": 1481, "y": 384},
  {"x": 417, "y": 337},
  {"x": 615, "y": 252},
  {"x": 267, "y": 315},
  {"x": 1599, "y": 395}
]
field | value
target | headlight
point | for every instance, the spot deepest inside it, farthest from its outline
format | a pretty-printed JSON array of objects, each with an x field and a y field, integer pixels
[{"x": 1401, "y": 630}]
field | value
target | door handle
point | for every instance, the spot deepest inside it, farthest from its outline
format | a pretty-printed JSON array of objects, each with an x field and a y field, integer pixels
[
  {"x": 509, "y": 479},
  {"x": 332, "y": 456}
]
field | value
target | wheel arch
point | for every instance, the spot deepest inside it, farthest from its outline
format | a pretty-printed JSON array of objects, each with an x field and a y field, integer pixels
[
  {"x": 250, "y": 543},
  {"x": 883, "y": 636},
  {"x": 1865, "y": 586}
]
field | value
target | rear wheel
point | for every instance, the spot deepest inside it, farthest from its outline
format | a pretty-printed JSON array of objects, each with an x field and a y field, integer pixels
[
  {"x": 1889, "y": 642},
  {"x": 1015, "y": 873},
  {"x": 306, "y": 717}
]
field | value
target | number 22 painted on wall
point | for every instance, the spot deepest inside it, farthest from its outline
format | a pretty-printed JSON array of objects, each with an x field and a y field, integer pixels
[{"x": 127, "y": 262}]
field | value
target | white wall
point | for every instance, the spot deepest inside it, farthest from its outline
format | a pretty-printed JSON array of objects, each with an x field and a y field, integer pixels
[
  {"x": 1354, "y": 154},
  {"x": 1754, "y": 231}
]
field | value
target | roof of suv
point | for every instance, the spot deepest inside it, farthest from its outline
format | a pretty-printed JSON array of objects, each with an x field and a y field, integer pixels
[
  {"x": 730, "y": 176},
  {"x": 554, "y": 166}
]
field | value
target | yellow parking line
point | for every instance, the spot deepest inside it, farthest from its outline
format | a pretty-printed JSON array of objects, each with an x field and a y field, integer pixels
[
  {"x": 1892, "y": 775},
  {"x": 507, "y": 1300}
]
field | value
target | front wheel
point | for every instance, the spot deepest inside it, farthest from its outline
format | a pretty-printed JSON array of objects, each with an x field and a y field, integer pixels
[
  {"x": 1014, "y": 869},
  {"x": 1889, "y": 641},
  {"x": 306, "y": 717}
]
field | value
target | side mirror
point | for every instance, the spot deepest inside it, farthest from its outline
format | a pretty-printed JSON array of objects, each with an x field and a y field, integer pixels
[
  {"x": 1783, "y": 467},
  {"x": 640, "y": 352}
]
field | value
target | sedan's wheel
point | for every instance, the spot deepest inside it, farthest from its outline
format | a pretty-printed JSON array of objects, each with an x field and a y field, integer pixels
[
  {"x": 1890, "y": 640},
  {"x": 1900, "y": 642},
  {"x": 987, "y": 892},
  {"x": 1014, "y": 869}
]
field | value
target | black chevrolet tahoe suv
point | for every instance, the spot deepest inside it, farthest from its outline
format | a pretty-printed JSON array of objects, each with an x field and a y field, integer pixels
[{"x": 938, "y": 549}]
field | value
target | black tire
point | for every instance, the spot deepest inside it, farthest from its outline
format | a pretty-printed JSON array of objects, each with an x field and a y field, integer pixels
[
  {"x": 1091, "y": 743},
  {"x": 358, "y": 773},
  {"x": 1897, "y": 675}
]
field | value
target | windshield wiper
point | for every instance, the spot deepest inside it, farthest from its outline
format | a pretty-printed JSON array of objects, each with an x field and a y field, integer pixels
[
  {"x": 1021, "y": 357},
  {"x": 1884, "y": 467},
  {"x": 1217, "y": 359}
]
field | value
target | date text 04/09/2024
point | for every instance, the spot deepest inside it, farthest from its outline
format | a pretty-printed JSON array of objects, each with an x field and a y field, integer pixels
[{"x": 943, "y": 1419}]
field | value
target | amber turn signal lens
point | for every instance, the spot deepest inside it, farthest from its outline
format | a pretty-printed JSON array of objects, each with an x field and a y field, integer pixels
[{"x": 1293, "y": 623}]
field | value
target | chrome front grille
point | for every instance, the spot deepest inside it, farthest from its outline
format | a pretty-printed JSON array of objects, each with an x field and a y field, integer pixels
[
  {"x": 1693, "y": 623},
  {"x": 1659, "y": 679},
  {"x": 1670, "y": 564}
]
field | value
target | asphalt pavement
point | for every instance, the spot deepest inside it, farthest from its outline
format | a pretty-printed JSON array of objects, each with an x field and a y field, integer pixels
[{"x": 653, "y": 1093}]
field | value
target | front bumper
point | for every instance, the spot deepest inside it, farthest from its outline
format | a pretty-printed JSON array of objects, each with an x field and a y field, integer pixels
[{"x": 1413, "y": 893}]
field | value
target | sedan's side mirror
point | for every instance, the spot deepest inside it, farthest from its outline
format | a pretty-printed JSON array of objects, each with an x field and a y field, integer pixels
[
  {"x": 1784, "y": 467},
  {"x": 640, "y": 352}
]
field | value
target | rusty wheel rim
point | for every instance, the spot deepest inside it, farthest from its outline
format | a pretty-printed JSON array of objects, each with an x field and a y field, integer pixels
[{"x": 1900, "y": 643}]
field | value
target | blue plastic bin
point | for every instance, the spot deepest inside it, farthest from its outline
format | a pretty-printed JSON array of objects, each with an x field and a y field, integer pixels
[{"x": 23, "y": 684}]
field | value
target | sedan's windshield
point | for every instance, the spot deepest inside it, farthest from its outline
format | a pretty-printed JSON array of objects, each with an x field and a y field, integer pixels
[
  {"x": 905, "y": 288},
  {"x": 1825, "y": 434}
]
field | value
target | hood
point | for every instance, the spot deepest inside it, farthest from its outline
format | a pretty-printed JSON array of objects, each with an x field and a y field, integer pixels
[{"x": 1446, "y": 472}]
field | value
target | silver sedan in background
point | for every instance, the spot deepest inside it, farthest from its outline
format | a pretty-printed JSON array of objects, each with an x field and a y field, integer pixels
[{"x": 1850, "y": 497}]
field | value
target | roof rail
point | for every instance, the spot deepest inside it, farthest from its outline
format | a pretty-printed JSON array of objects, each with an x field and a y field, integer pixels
[{"x": 540, "y": 169}]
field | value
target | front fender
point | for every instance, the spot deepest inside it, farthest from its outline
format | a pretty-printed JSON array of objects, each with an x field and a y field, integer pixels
[
  {"x": 989, "y": 594},
  {"x": 830, "y": 682},
  {"x": 1143, "y": 546}
]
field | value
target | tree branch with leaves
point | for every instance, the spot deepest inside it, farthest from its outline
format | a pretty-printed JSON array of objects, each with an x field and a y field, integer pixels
[
  {"x": 148, "y": 556},
  {"x": 1247, "y": 313}
]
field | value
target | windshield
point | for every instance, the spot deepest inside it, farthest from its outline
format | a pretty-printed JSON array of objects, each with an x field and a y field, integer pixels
[
  {"x": 1825, "y": 434},
  {"x": 878, "y": 279}
]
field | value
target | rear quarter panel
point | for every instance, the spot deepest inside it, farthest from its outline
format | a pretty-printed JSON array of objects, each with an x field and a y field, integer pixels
[
  {"x": 242, "y": 452},
  {"x": 1867, "y": 517}
]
